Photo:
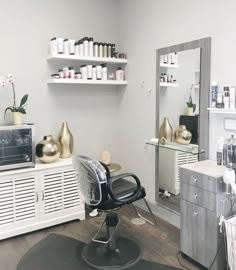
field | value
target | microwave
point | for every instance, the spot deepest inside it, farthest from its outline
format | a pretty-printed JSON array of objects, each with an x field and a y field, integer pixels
[{"x": 17, "y": 146}]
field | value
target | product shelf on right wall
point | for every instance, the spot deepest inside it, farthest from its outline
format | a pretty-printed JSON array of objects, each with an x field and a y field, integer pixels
[{"x": 222, "y": 110}]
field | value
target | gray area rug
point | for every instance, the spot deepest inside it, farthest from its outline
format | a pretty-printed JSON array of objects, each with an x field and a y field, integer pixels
[{"x": 59, "y": 252}]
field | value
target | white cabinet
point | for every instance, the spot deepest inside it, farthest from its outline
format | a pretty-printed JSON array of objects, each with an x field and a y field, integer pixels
[{"x": 39, "y": 197}]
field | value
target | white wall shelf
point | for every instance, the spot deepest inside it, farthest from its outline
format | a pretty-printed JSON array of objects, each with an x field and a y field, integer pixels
[
  {"x": 78, "y": 81},
  {"x": 164, "y": 84},
  {"x": 87, "y": 59},
  {"x": 222, "y": 111},
  {"x": 169, "y": 65}
]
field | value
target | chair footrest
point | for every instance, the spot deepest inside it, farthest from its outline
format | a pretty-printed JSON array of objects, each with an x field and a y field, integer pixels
[{"x": 111, "y": 223}]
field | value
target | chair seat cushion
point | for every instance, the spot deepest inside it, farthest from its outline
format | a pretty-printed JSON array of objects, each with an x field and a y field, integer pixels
[{"x": 122, "y": 190}]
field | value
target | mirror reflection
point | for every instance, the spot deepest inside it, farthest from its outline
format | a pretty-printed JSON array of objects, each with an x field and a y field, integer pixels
[{"x": 179, "y": 108}]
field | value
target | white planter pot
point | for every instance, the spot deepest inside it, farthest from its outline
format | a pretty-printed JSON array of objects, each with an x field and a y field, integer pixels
[
  {"x": 189, "y": 111},
  {"x": 17, "y": 118}
]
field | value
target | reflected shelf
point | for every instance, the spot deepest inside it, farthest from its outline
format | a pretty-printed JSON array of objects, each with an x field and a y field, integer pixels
[
  {"x": 165, "y": 84},
  {"x": 190, "y": 148},
  {"x": 169, "y": 65}
]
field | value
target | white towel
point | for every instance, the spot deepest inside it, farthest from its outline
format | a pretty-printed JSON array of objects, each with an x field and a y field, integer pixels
[{"x": 230, "y": 227}]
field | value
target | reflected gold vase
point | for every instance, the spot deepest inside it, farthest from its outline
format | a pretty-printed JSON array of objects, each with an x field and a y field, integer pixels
[
  {"x": 65, "y": 139},
  {"x": 166, "y": 130},
  {"x": 182, "y": 135}
]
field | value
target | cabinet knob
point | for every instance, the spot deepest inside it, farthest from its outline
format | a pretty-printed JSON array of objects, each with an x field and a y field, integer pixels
[
  {"x": 195, "y": 214},
  {"x": 195, "y": 180},
  {"x": 195, "y": 196}
]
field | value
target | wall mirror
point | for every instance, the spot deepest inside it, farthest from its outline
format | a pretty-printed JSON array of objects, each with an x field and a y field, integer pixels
[{"x": 183, "y": 83}]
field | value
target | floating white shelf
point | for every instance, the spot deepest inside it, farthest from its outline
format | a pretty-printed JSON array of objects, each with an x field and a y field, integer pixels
[
  {"x": 169, "y": 65},
  {"x": 77, "y": 81},
  {"x": 169, "y": 84},
  {"x": 87, "y": 59},
  {"x": 222, "y": 111}
]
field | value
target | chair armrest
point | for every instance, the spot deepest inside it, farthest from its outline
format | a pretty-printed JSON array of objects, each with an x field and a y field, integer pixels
[{"x": 128, "y": 199}]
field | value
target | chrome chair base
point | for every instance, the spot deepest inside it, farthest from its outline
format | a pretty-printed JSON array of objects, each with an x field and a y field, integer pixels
[{"x": 126, "y": 254}]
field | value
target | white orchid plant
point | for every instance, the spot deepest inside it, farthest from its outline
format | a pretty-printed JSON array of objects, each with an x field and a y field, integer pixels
[
  {"x": 4, "y": 80},
  {"x": 190, "y": 103}
]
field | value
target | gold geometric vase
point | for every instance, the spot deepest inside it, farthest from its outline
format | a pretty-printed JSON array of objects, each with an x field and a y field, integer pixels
[
  {"x": 166, "y": 130},
  {"x": 65, "y": 139}
]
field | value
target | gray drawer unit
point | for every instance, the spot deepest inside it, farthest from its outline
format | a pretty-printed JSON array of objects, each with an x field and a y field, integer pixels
[
  {"x": 202, "y": 202},
  {"x": 198, "y": 196}
]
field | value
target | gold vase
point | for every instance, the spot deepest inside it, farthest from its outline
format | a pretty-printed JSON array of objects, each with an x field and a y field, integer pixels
[
  {"x": 65, "y": 139},
  {"x": 182, "y": 135},
  {"x": 166, "y": 130}
]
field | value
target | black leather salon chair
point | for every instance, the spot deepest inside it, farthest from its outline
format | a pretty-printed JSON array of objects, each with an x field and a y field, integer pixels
[{"x": 108, "y": 193}]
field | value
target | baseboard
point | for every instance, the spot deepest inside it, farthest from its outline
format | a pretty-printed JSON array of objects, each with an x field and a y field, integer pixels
[{"x": 162, "y": 212}]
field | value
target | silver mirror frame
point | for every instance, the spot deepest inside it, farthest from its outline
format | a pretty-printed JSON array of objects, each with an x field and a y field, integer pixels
[{"x": 204, "y": 88}]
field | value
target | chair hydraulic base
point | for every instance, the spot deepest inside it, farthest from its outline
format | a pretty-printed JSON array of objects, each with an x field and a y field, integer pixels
[
  {"x": 109, "y": 252},
  {"x": 126, "y": 254}
]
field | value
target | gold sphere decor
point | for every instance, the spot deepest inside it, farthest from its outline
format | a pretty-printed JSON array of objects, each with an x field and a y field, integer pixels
[
  {"x": 182, "y": 135},
  {"x": 48, "y": 150}
]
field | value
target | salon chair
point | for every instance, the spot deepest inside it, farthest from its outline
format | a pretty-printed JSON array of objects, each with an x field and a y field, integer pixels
[{"x": 109, "y": 193}]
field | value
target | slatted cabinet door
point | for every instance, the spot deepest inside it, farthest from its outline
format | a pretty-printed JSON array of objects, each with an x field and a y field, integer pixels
[
  {"x": 59, "y": 194},
  {"x": 51, "y": 191},
  {"x": 71, "y": 194},
  {"x": 18, "y": 203}
]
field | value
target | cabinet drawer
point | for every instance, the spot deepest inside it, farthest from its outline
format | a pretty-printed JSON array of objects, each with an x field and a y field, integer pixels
[
  {"x": 198, "y": 233},
  {"x": 199, "y": 180},
  {"x": 198, "y": 196}
]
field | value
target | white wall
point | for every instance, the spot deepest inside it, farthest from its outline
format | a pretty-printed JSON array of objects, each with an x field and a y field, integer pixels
[
  {"x": 26, "y": 29},
  {"x": 105, "y": 117},
  {"x": 146, "y": 26}
]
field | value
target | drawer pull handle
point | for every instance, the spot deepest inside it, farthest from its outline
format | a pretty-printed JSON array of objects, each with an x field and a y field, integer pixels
[
  {"x": 36, "y": 197},
  {"x": 195, "y": 214},
  {"x": 42, "y": 195},
  {"x": 195, "y": 196},
  {"x": 195, "y": 180}
]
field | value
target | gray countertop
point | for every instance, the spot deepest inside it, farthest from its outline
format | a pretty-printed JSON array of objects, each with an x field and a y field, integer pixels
[{"x": 208, "y": 167}]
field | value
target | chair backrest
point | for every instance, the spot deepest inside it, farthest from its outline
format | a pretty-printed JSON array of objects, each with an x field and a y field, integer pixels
[{"x": 90, "y": 175}]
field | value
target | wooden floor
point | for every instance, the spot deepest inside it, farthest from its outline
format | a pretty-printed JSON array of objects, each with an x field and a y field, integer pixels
[{"x": 160, "y": 243}]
